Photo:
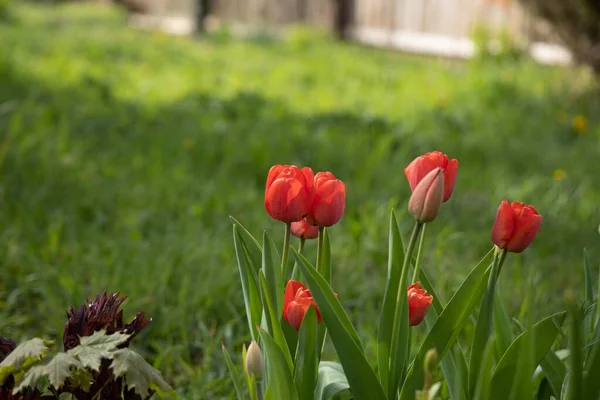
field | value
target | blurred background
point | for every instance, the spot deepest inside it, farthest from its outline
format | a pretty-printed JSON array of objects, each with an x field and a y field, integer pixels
[{"x": 131, "y": 130}]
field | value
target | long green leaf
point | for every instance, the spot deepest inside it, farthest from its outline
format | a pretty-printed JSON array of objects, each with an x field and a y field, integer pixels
[
  {"x": 280, "y": 384},
  {"x": 522, "y": 384},
  {"x": 235, "y": 376},
  {"x": 307, "y": 358},
  {"x": 589, "y": 297},
  {"x": 450, "y": 322},
  {"x": 592, "y": 364},
  {"x": 332, "y": 381},
  {"x": 544, "y": 335},
  {"x": 274, "y": 328},
  {"x": 400, "y": 347},
  {"x": 360, "y": 375},
  {"x": 249, "y": 287},
  {"x": 576, "y": 384},
  {"x": 453, "y": 362},
  {"x": 386, "y": 318},
  {"x": 502, "y": 327},
  {"x": 326, "y": 273},
  {"x": 482, "y": 389},
  {"x": 555, "y": 371},
  {"x": 483, "y": 328},
  {"x": 272, "y": 273},
  {"x": 251, "y": 245}
]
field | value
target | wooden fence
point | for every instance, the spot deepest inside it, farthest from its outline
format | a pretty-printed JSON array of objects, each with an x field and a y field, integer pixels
[{"x": 439, "y": 27}]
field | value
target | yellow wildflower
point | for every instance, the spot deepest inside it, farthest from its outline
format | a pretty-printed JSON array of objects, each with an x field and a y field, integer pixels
[
  {"x": 559, "y": 175},
  {"x": 579, "y": 123}
]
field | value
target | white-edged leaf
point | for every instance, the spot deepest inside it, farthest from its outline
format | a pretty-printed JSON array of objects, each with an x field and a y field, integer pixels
[
  {"x": 92, "y": 349},
  {"x": 24, "y": 356},
  {"x": 31, "y": 378},
  {"x": 139, "y": 375},
  {"x": 57, "y": 371},
  {"x": 331, "y": 381}
]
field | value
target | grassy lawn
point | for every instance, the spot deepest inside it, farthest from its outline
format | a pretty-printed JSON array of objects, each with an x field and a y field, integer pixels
[{"x": 122, "y": 154}]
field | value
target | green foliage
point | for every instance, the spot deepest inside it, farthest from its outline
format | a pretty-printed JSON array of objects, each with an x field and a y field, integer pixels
[
  {"x": 93, "y": 349},
  {"x": 138, "y": 374},
  {"x": 24, "y": 357},
  {"x": 57, "y": 370},
  {"x": 331, "y": 382},
  {"x": 78, "y": 364}
]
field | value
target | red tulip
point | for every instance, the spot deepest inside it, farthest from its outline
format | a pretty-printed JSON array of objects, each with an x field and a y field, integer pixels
[
  {"x": 296, "y": 300},
  {"x": 329, "y": 200},
  {"x": 424, "y": 164},
  {"x": 418, "y": 303},
  {"x": 289, "y": 192},
  {"x": 303, "y": 229},
  {"x": 516, "y": 226}
]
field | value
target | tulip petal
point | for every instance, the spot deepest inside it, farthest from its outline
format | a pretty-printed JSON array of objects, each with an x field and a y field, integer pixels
[
  {"x": 450, "y": 172},
  {"x": 273, "y": 173},
  {"x": 291, "y": 289},
  {"x": 527, "y": 227},
  {"x": 504, "y": 225}
]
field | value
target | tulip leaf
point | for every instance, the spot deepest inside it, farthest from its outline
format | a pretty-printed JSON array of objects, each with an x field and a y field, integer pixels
[
  {"x": 544, "y": 335},
  {"x": 274, "y": 328},
  {"x": 326, "y": 273},
  {"x": 555, "y": 371},
  {"x": 522, "y": 384},
  {"x": 450, "y": 322},
  {"x": 589, "y": 296},
  {"x": 482, "y": 388},
  {"x": 250, "y": 289},
  {"x": 361, "y": 377},
  {"x": 233, "y": 372},
  {"x": 251, "y": 245},
  {"x": 280, "y": 384},
  {"x": 386, "y": 318},
  {"x": 502, "y": 326},
  {"x": 452, "y": 363},
  {"x": 307, "y": 357},
  {"x": 575, "y": 384},
  {"x": 483, "y": 328},
  {"x": 272, "y": 275},
  {"x": 331, "y": 382}
]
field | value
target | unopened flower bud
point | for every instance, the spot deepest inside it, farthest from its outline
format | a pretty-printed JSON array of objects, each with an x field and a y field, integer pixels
[
  {"x": 254, "y": 361},
  {"x": 427, "y": 197},
  {"x": 431, "y": 361}
]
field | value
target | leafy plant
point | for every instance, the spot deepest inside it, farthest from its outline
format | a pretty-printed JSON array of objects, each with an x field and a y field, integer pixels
[{"x": 96, "y": 363}]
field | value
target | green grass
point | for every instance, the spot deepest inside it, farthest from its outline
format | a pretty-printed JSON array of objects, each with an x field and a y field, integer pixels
[{"x": 122, "y": 154}]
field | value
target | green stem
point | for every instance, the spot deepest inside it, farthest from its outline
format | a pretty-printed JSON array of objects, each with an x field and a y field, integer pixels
[
  {"x": 419, "y": 255},
  {"x": 320, "y": 245},
  {"x": 401, "y": 299},
  {"x": 286, "y": 250},
  {"x": 259, "y": 395},
  {"x": 295, "y": 272},
  {"x": 500, "y": 262}
]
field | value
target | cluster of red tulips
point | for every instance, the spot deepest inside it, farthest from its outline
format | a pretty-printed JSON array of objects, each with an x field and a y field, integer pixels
[{"x": 307, "y": 203}]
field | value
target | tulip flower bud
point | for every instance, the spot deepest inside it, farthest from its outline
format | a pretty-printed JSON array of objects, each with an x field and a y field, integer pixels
[
  {"x": 427, "y": 197},
  {"x": 431, "y": 361},
  {"x": 254, "y": 361}
]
